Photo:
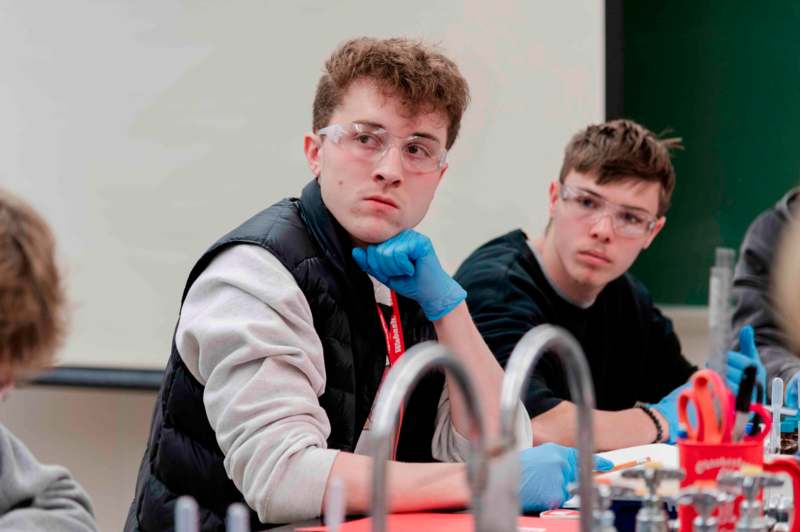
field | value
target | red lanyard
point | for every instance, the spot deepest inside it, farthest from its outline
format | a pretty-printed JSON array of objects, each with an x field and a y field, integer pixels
[{"x": 395, "y": 346}]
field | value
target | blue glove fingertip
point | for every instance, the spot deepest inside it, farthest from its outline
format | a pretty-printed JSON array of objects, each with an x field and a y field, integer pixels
[
  {"x": 420, "y": 245},
  {"x": 404, "y": 264},
  {"x": 376, "y": 265},
  {"x": 747, "y": 342},
  {"x": 602, "y": 464}
]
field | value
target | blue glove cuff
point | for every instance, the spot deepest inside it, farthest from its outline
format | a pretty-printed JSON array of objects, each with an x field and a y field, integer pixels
[
  {"x": 669, "y": 411},
  {"x": 438, "y": 308}
]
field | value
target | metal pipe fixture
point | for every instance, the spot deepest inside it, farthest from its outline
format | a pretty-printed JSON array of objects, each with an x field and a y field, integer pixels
[
  {"x": 401, "y": 379},
  {"x": 504, "y": 473}
]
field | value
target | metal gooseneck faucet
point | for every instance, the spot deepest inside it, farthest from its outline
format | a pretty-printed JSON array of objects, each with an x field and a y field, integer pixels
[
  {"x": 501, "y": 502},
  {"x": 402, "y": 378}
]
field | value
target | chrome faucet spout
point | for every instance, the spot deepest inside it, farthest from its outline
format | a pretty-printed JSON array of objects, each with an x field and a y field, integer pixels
[
  {"x": 396, "y": 388},
  {"x": 527, "y": 353}
]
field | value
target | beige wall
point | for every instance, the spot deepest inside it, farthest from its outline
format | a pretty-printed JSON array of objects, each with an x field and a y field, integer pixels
[
  {"x": 143, "y": 131},
  {"x": 98, "y": 434},
  {"x": 691, "y": 324}
]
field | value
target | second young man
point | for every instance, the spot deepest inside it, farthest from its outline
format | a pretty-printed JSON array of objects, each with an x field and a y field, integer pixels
[{"x": 608, "y": 205}]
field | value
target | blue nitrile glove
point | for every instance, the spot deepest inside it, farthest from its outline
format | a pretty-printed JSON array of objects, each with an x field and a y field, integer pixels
[
  {"x": 791, "y": 392},
  {"x": 746, "y": 356},
  {"x": 546, "y": 471},
  {"x": 668, "y": 407},
  {"x": 407, "y": 264}
]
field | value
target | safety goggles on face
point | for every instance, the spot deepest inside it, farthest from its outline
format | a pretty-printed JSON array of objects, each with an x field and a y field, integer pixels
[
  {"x": 588, "y": 207},
  {"x": 371, "y": 143}
]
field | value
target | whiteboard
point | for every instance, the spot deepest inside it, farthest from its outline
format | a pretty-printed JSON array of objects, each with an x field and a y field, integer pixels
[{"x": 143, "y": 131}]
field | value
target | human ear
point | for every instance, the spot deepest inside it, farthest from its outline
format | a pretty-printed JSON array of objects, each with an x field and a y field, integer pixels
[
  {"x": 311, "y": 147},
  {"x": 656, "y": 229},
  {"x": 553, "y": 197}
]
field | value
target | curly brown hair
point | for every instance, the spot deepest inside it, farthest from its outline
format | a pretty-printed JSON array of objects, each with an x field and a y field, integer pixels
[
  {"x": 32, "y": 315},
  {"x": 423, "y": 79},
  {"x": 622, "y": 149}
]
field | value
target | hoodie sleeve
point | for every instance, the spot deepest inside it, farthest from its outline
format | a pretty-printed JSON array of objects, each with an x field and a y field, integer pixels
[
  {"x": 449, "y": 445},
  {"x": 39, "y": 497},
  {"x": 247, "y": 334},
  {"x": 753, "y": 303}
]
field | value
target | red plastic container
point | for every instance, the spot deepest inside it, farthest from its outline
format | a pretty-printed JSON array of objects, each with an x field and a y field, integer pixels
[{"x": 703, "y": 461}]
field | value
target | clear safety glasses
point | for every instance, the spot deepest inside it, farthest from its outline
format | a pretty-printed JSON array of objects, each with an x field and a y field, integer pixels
[
  {"x": 590, "y": 208},
  {"x": 371, "y": 143}
]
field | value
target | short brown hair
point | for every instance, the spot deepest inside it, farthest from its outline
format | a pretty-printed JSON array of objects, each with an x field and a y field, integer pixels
[
  {"x": 623, "y": 149},
  {"x": 423, "y": 79},
  {"x": 32, "y": 320}
]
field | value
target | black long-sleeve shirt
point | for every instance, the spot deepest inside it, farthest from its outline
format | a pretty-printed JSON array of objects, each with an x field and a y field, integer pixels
[{"x": 632, "y": 349}]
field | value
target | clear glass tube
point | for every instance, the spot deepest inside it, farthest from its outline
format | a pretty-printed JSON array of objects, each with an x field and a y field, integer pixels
[{"x": 720, "y": 309}]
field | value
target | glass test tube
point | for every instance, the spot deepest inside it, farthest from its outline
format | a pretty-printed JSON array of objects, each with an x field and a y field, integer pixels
[
  {"x": 777, "y": 404},
  {"x": 719, "y": 309}
]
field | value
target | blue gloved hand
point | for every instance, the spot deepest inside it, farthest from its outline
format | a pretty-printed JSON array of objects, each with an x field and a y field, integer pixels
[
  {"x": 668, "y": 408},
  {"x": 791, "y": 401},
  {"x": 791, "y": 392},
  {"x": 407, "y": 264},
  {"x": 746, "y": 356},
  {"x": 601, "y": 465},
  {"x": 546, "y": 471}
]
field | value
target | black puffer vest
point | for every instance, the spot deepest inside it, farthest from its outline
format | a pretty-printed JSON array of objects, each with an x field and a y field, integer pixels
[{"x": 182, "y": 455}]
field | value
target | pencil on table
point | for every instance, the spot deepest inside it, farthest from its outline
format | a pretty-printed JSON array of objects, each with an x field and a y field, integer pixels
[{"x": 626, "y": 465}]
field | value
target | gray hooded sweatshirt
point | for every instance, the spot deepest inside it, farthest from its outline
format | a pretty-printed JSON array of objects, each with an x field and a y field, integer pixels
[
  {"x": 39, "y": 497},
  {"x": 751, "y": 286}
]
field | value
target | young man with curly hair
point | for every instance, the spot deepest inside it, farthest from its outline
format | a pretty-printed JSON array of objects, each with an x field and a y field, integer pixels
[{"x": 289, "y": 322}]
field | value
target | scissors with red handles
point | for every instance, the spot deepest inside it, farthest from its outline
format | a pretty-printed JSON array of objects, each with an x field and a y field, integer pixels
[{"x": 713, "y": 405}]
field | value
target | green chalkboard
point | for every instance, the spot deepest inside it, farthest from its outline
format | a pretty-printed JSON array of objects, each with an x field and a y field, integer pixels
[{"x": 725, "y": 76}]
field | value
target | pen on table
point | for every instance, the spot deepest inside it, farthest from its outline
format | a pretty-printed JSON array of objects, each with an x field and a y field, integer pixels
[
  {"x": 743, "y": 401},
  {"x": 626, "y": 465}
]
